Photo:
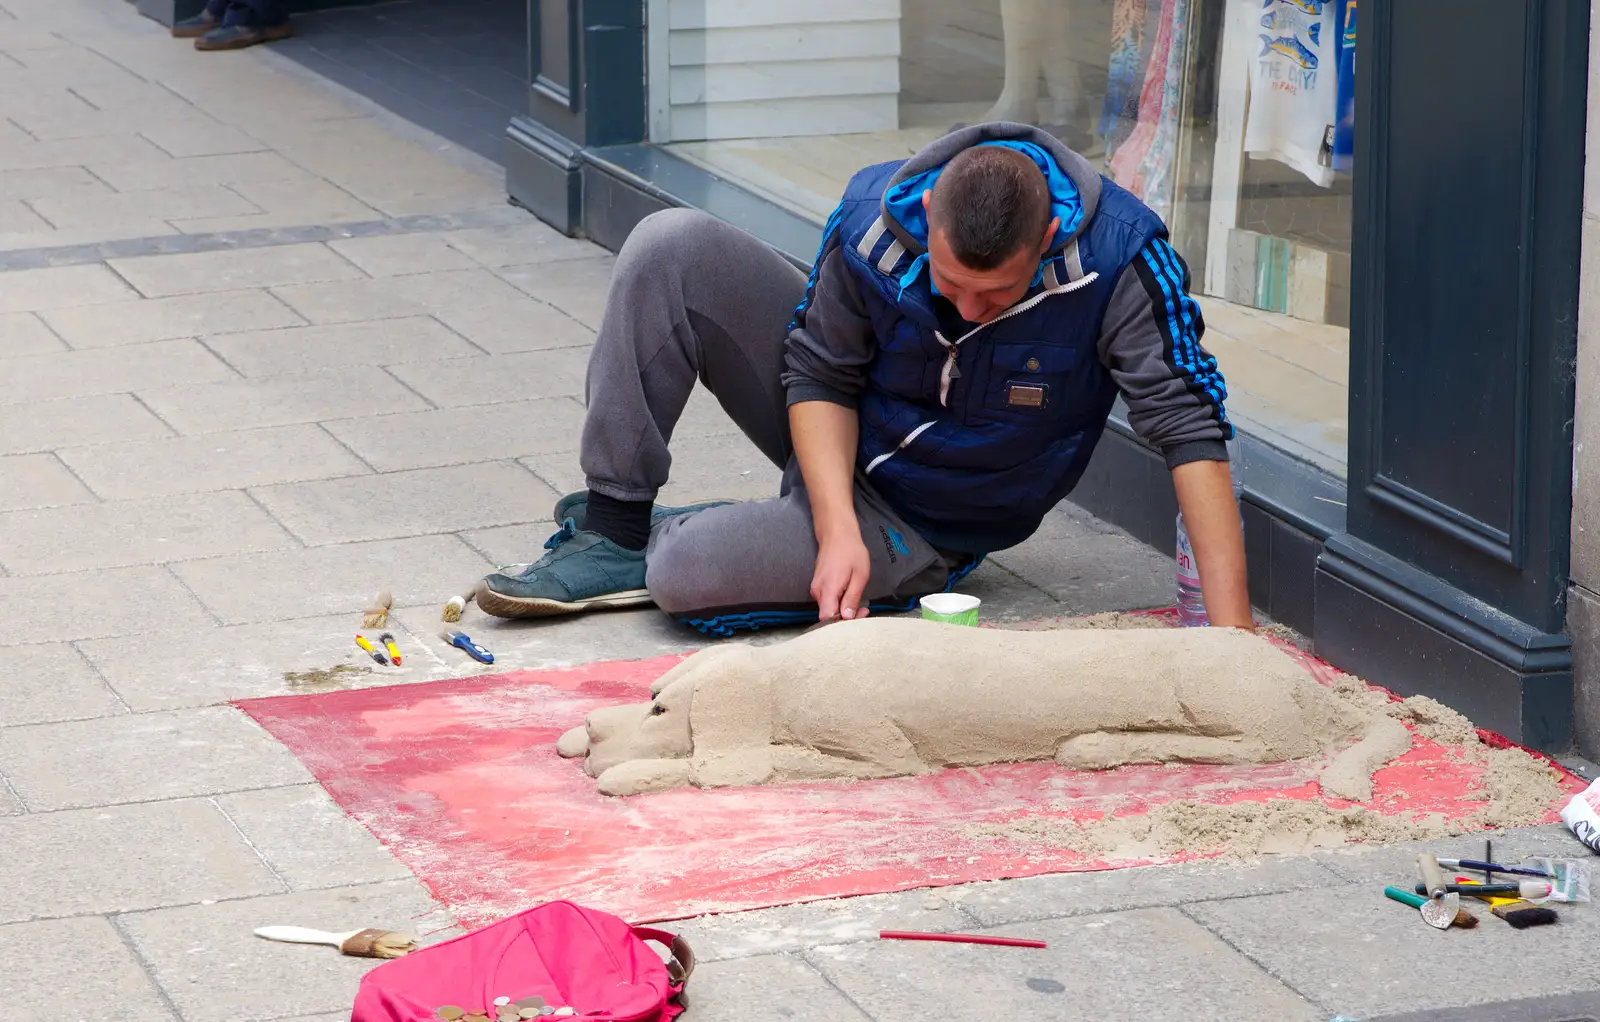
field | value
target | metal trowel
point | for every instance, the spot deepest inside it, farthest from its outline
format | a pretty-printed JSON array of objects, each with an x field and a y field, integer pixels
[{"x": 1442, "y": 906}]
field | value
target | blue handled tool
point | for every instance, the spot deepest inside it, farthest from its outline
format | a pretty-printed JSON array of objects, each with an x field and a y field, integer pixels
[{"x": 461, "y": 641}]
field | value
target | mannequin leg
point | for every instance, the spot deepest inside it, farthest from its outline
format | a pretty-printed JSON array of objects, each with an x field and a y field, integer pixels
[
  {"x": 1060, "y": 69},
  {"x": 1022, "y": 21}
]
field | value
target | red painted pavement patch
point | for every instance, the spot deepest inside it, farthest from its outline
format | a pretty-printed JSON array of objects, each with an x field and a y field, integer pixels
[{"x": 461, "y": 781}]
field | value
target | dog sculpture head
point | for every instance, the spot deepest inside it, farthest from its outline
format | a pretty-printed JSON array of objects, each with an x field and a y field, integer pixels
[{"x": 657, "y": 730}]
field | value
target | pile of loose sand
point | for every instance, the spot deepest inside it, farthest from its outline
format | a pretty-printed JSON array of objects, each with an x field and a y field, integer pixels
[{"x": 1517, "y": 790}]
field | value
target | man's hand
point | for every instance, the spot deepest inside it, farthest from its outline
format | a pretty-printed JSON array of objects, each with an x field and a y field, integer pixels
[
  {"x": 1205, "y": 496},
  {"x": 825, "y": 436},
  {"x": 843, "y": 569}
]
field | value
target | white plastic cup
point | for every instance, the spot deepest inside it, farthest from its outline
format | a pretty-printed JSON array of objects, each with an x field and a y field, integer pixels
[{"x": 951, "y": 608}]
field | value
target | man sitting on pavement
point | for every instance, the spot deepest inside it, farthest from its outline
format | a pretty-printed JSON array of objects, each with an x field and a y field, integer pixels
[
  {"x": 947, "y": 370},
  {"x": 235, "y": 24}
]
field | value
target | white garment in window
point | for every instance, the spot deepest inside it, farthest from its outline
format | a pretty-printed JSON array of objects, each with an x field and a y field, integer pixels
[{"x": 1294, "y": 78}]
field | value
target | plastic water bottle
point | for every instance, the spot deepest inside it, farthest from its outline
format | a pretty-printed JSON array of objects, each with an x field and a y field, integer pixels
[{"x": 1191, "y": 604}]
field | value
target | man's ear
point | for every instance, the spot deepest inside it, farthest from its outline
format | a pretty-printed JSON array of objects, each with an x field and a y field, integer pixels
[
  {"x": 927, "y": 196},
  {"x": 1049, "y": 235}
]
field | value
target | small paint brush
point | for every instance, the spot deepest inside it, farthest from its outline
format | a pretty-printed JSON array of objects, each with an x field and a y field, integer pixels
[
  {"x": 377, "y": 614},
  {"x": 1479, "y": 866},
  {"x": 368, "y": 943},
  {"x": 457, "y": 604}
]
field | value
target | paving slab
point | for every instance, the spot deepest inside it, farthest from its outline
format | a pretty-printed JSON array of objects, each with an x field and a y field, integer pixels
[
  {"x": 76, "y": 968},
  {"x": 24, "y": 333},
  {"x": 1090, "y": 565},
  {"x": 213, "y": 168},
  {"x": 273, "y": 266},
  {"x": 768, "y": 988},
  {"x": 96, "y": 604},
  {"x": 494, "y": 379},
  {"x": 272, "y": 658},
  {"x": 46, "y": 425},
  {"x": 577, "y": 287},
  {"x": 397, "y": 504},
  {"x": 416, "y": 294},
  {"x": 565, "y": 642},
  {"x": 291, "y": 584},
  {"x": 160, "y": 319},
  {"x": 520, "y": 245},
  {"x": 51, "y": 682},
  {"x": 521, "y": 324},
  {"x": 200, "y": 137},
  {"x": 128, "y": 532},
  {"x": 1074, "y": 894},
  {"x": 125, "y": 858},
  {"x": 403, "y": 254},
  {"x": 33, "y": 378},
  {"x": 1007, "y": 598},
  {"x": 835, "y": 921},
  {"x": 191, "y": 198},
  {"x": 51, "y": 183},
  {"x": 1147, "y": 964},
  {"x": 455, "y": 436},
  {"x": 309, "y": 840},
  {"x": 77, "y": 152},
  {"x": 205, "y": 959},
  {"x": 1354, "y": 952},
  {"x": 304, "y": 348},
  {"x": 60, "y": 286},
  {"x": 142, "y": 757},
  {"x": 38, "y": 481},
  {"x": 213, "y": 461},
  {"x": 280, "y": 400}
]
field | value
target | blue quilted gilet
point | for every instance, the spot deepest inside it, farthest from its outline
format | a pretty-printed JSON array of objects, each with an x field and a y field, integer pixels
[{"x": 1024, "y": 398}]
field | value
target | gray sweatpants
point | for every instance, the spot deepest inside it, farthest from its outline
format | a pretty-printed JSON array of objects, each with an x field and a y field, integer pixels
[{"x": 695, "y": 298}]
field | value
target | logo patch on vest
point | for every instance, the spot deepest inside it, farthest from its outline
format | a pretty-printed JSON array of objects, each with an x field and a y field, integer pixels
[{"x": 1026, "y": 395}]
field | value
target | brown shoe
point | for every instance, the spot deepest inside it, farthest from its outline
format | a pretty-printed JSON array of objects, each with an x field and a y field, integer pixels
[
  {"x": 195, "y": 27},
  {"x": 237, "y": 37}
]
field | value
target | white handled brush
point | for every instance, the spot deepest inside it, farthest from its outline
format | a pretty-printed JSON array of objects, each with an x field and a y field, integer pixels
[{"x": 368, "y": 943}]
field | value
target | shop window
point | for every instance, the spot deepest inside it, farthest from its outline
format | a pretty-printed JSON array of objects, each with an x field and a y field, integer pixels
[{"x": 1222, "y": 115}]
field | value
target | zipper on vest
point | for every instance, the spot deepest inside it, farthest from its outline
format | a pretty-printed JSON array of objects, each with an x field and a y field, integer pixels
[
  {"x": 950, "y": 372},
  {"x": 880, "y": 459}
]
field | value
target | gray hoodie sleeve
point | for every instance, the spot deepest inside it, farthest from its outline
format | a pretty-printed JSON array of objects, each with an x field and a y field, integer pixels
[
  {"x": 1150, "y": 341},
  {"x": 831, "y": 341}
]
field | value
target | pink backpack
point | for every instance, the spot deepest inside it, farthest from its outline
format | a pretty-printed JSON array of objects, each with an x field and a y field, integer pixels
[{"x": 564, "y": 955}]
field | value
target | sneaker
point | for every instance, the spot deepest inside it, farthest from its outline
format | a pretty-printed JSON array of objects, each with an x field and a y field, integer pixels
[
  {"x": 580, "y": 571},
  {"x": 237, "y": 37},
  {"x": 574, "y": 506},
  {"x": 195, "y": 27}
]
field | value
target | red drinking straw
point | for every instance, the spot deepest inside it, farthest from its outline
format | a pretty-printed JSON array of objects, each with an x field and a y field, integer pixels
[{"x": 960, "y": 938}]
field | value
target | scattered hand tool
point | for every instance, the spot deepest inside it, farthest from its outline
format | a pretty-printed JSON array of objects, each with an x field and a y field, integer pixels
[
  {"x": 1442, "y": 906},
  {"x": 1521, "y": 914},
  {"x": 457, "y": 604},
  {"x": 1464, "y": 919},
  {"x": 960, "y": 938},
  {"x": 1491, "y": 867},
  {"x": 368, "y": 943},
  {"x": 377, "y": 615},
  {"x": 361, "y": 640},
  {"x": 1527, "y": 889},
  {"x": 1518, "y": 913},
  {"x": 388, "y": 643},
  {"x": 461, "y": 641}
]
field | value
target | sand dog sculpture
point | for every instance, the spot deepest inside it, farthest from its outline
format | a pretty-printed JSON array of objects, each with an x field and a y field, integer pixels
[{"x": 895, "y": 697}]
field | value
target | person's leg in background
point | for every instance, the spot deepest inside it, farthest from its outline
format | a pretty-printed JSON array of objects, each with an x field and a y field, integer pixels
[
  {"x": 246, "y": 23},
  {"x": 197, "y": 25}
]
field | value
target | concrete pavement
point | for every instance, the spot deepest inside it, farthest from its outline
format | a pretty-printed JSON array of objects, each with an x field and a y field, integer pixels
[{"x": 259, "y": 358}]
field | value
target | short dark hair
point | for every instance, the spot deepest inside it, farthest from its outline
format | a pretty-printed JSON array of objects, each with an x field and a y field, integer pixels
[{"x": 990, "y": 202}]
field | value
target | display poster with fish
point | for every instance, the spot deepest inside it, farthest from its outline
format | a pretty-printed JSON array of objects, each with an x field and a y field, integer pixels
[{"x": 1294, "y": 84}]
